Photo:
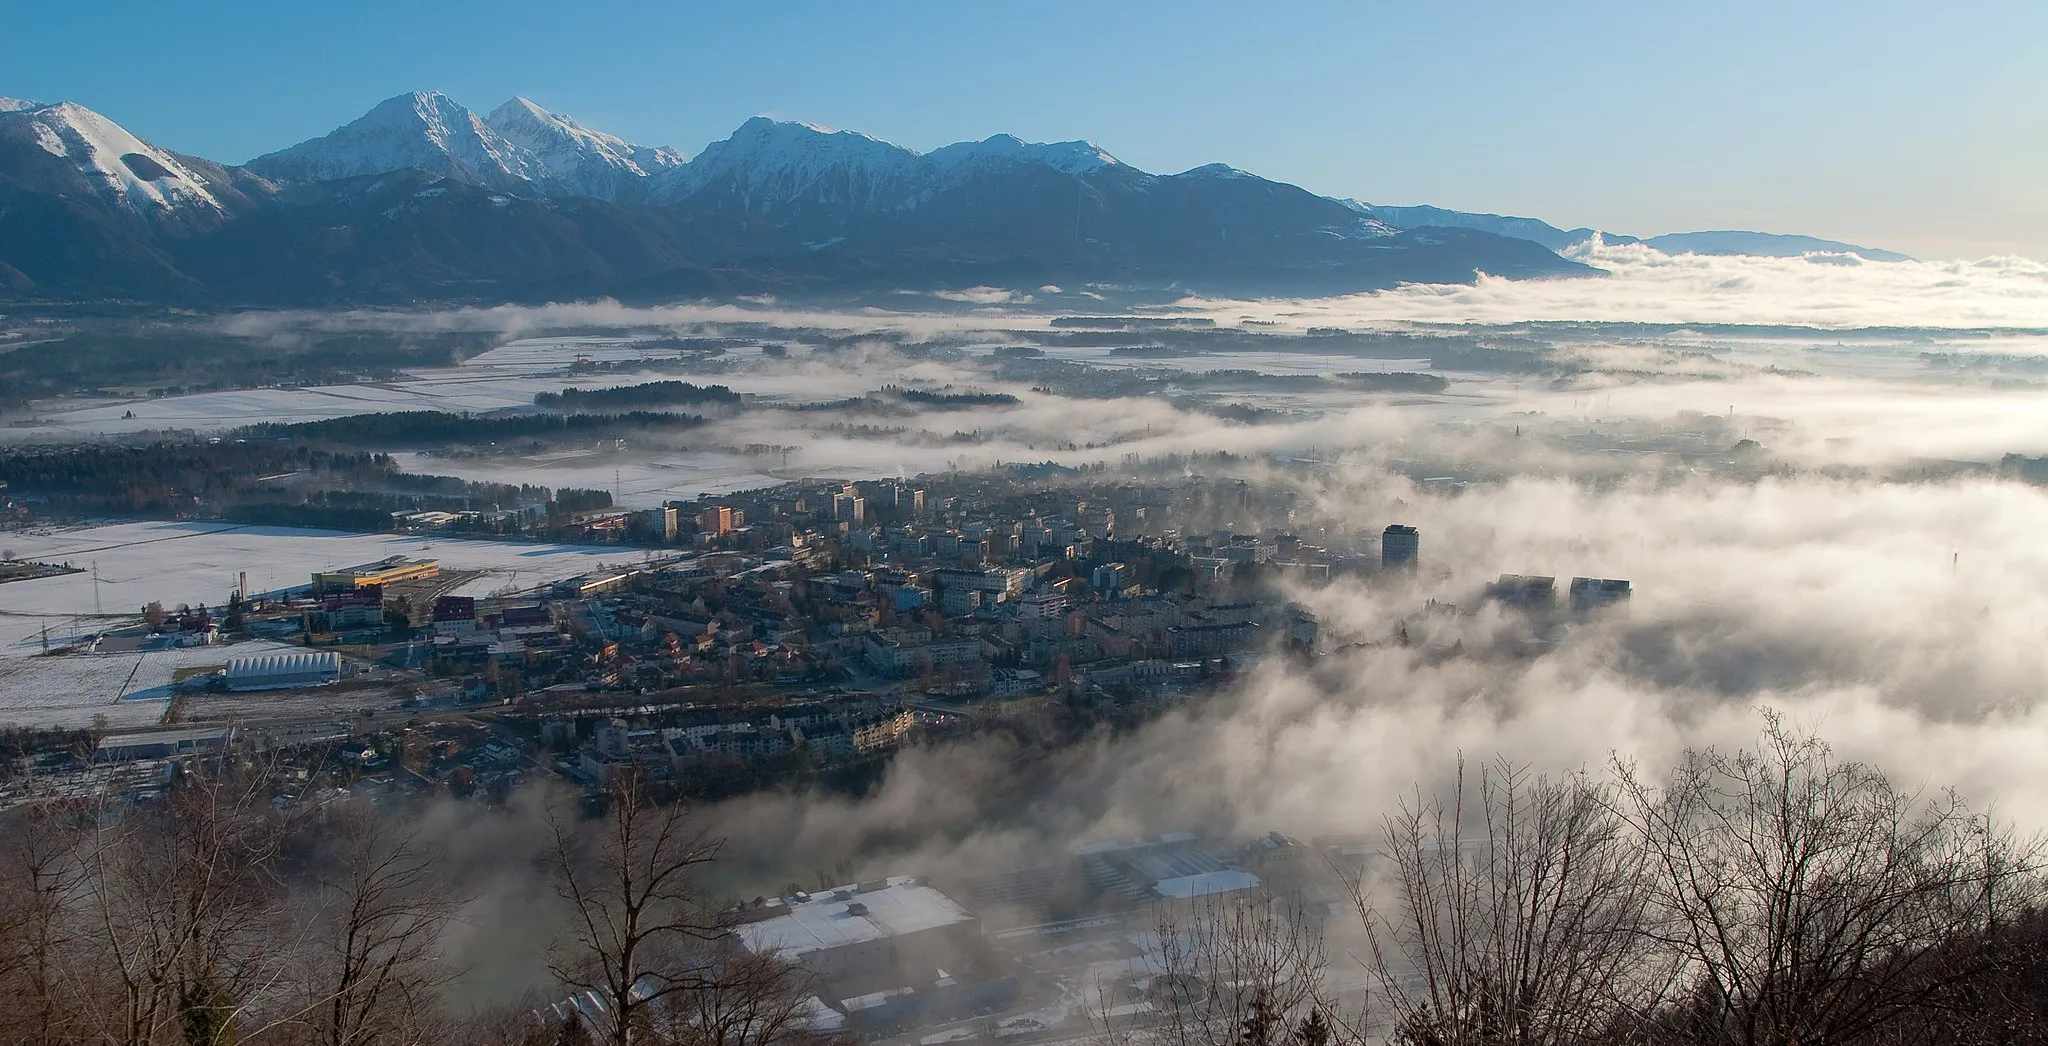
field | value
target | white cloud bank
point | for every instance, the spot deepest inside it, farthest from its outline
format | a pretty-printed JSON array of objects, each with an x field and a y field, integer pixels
[{"x": 1648, "y": 286}]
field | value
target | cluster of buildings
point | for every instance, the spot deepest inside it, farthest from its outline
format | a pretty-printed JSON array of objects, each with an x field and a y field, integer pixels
[
  {"x": 671, "y": 744},
  {"x": 1039, "y": 948},
  {"x": 1537, "y": 593}
]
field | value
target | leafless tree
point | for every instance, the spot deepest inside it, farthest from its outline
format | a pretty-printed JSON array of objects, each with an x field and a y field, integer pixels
[
  {"x": 752, "y": 999},
  {"x": 1810, "y": 901},
  {"x": 638, "y": 916},
  {"x": 1246, "y": 969},
  {"x": 1511, "y": 916},
  {"x": 180, "y": 905},
  {"x": 38, "y": 876},
  {"x": 378, "y": 908}
]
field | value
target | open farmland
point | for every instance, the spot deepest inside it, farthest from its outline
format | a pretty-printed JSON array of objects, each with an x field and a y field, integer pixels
[
  {"x": 196, "y": 563},
  {"x": 128, "y": 688}
]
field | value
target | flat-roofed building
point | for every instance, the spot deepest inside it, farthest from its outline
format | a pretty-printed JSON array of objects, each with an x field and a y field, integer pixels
[
  {"x": 1592, "y": 593},
  {"x": 867, "y": 936},
  {"x": 387, "y": 571},
  {"x": 1400, "y": 547},
  {"x": 1528, "y": 591},
  {"x": 162, "y": 744}
]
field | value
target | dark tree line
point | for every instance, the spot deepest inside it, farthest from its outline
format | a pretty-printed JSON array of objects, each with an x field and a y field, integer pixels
[
  {"x": 144, "y": 356},
  {"x": 427, "y": 428},
  {"x": 647, "y": 394},
  {"x": 252, "y": 481}
]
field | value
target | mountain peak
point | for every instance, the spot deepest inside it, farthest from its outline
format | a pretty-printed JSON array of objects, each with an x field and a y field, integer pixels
[
  {"x": 521, "y": 103},
  {"x": 118, "y": 166},
  {"x": 579, "y": 161},
  {"x": 422, "y": 129},
  {"x": 15, "y": 105},
  {"x": 1075, "y": 157},
  {"x": 1215, "y": 170},
  {"x": 766, "y": 159},
  {"x": 769, "y": 128}
]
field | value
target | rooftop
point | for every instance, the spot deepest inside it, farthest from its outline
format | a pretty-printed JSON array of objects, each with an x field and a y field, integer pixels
[
  {"x": 902, "y": 906},
  {"x": 1222, "y": 880}
]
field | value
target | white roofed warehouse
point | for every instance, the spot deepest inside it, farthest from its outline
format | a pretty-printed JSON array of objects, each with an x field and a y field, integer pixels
[
  {"x": 283, "y": 671},
  {"x": 886, "y": 952}
]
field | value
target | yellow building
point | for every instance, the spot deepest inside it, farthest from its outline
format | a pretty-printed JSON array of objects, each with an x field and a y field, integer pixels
[{"x": 383, "y": 572}]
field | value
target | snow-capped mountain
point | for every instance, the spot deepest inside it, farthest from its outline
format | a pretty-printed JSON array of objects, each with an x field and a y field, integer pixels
[
  {"x": 81, "y": 148},
  {"x": 88, "y": 208},
  {"x": 1763, "y": 245},
  {"x": 424, "y": 130},
  {"x": 1533, "y": 229},
  {"x": 580, "y": 161},
  {"x": 422, "y": 198},
  {"x": 1722, "y": 242},
  {"x": 769, "y": 164},
  {"x": 1077, "y": 157},
  {"x": 765, "y": 165}
]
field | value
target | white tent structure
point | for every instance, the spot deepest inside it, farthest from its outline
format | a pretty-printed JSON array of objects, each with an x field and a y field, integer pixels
[{"x": 283, "y": 671}]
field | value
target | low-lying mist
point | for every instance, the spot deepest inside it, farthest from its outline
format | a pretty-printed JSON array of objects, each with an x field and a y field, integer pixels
[{"x": 1810, "y": 510}]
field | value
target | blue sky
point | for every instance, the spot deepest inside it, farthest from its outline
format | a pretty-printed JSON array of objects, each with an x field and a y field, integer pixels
[{"x": 1916, "y": 126}]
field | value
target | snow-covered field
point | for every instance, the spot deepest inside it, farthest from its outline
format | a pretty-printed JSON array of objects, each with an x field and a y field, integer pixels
[
  {"x": 449, "y": 389},
  {"x": 131, "y": 688},
  {"x": 544, "y": 355},
  {"x": 635, "y": 483},
  {"x": 1263, "y": 362},
  {"x": 195, "y": 563},
  {"x": 507, "y": 376}
]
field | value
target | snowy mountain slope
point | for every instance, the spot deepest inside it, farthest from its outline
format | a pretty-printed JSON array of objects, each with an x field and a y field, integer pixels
[
  {"x": 1500, "y": 225},
  {"x": 580, "y": 161},
  {"x": 8, "y": 105},
  {"x": 768, "y": 164},
  {"x": 1763, "y": 245},
  {"x": 1077, "y": 157},
  {"x": 1718, "y": 242},
  {"x": 423, "y": 199},
  {"x": 424, "y": 130},
  {"x": 88, "y": 209},
  {"x": 114, "y": 164}
]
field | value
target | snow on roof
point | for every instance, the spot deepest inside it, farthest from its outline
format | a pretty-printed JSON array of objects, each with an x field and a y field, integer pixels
[
  {"x": 1223, "y": 880},
  {"x": 904, "y": 906}
]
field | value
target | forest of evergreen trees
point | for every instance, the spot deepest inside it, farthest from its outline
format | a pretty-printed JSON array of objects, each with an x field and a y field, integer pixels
[
  {"x": 430, "y": 428},
  {"x": 647, "y": 394},
  {"x": 252, "y": 481}
]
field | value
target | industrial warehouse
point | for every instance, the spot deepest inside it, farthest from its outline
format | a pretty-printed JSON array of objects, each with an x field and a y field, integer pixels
[
  {"x": 887, "y": 952},
  {"x": 1041, "y": 940}
]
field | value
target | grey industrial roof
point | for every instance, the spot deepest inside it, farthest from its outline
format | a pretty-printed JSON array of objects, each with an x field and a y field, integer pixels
[{"x": 1223, "y": 880}]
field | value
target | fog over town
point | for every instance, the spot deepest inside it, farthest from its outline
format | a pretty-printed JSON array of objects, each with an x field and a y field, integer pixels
[{"x": 469, "y": 578}]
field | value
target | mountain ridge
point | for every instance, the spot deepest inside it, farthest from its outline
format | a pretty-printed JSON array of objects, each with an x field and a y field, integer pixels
[{"x": 421, "y": 198}]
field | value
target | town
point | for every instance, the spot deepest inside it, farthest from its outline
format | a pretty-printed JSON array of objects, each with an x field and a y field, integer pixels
[
  {"x": 802, "y": 634},
  {"x": 807, "y": 629}
]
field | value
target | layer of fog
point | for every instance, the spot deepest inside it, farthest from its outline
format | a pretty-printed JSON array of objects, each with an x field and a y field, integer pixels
[
  {"x": 1900, "y": 621},
  {"x": 1647, "y": 285}
]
